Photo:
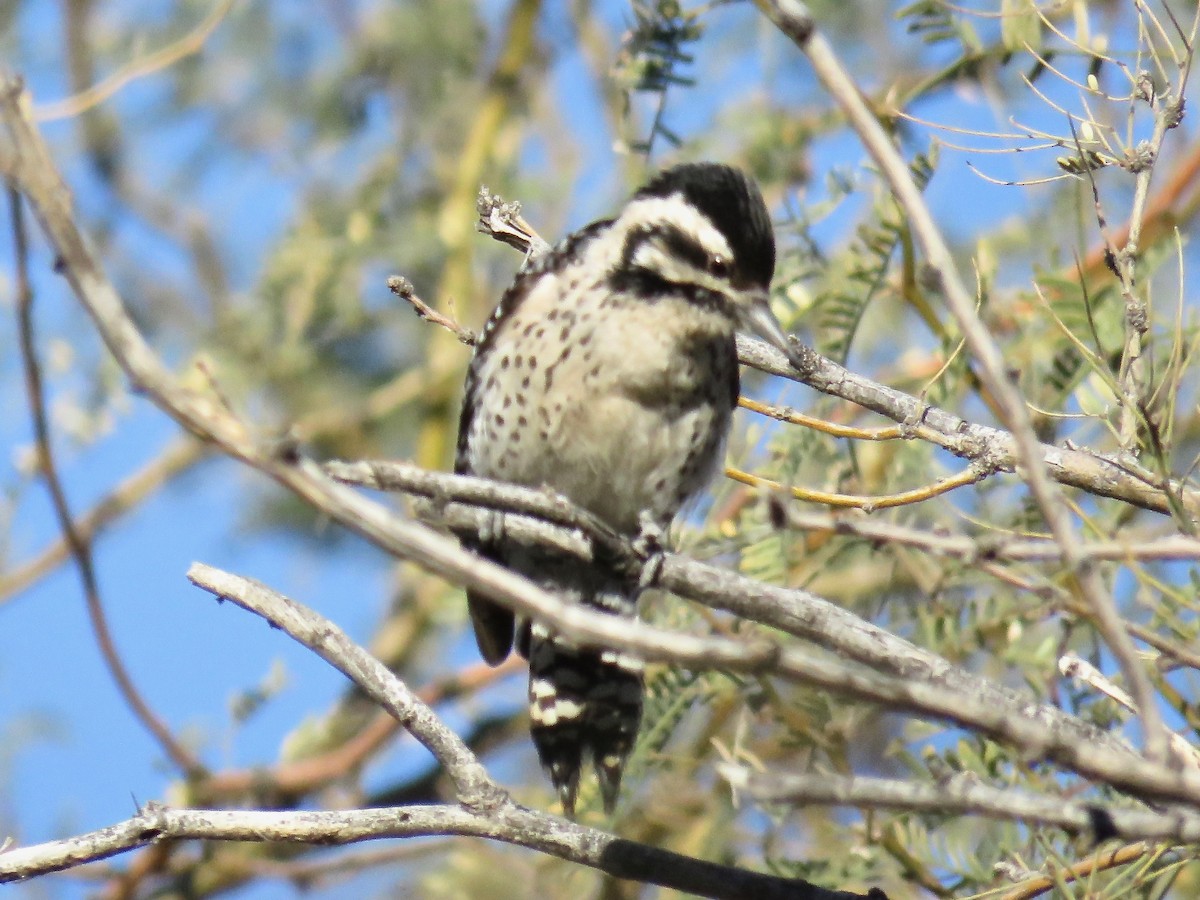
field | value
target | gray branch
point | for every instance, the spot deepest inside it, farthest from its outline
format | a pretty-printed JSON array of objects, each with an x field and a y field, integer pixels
[
  {"x": 1079, "y": 468},
  {"x": 472, "y": 784},
  {"x": 509, "y": 823},
  {"x": 965, "y": 794},
  {"x": 486, "y": 810}
]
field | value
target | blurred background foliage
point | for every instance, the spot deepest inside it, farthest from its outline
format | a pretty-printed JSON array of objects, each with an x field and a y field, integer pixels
[{"x": 263, "y": 167}]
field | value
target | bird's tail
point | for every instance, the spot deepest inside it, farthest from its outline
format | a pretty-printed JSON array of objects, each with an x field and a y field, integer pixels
[{"x": 584, "y": 704}]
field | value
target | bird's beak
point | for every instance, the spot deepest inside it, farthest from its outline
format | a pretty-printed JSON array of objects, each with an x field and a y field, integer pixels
[{"x": 757, "y": 317}]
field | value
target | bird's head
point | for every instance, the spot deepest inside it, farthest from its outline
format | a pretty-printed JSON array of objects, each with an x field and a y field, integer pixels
[{"x": 703, "y": 228}]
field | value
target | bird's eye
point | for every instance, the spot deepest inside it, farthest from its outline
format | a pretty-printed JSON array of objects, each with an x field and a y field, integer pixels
[{"x": 718, "y": 265}]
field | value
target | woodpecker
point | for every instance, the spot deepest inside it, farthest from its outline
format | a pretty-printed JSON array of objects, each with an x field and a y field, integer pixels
[{"x": 608, "y": 372}]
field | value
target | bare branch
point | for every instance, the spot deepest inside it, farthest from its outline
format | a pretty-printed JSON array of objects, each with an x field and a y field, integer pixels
[
  {"x": 509, "y": 823},
  {"x": 191, "y": 43},
  {"x": 403, "y": 288},
  {"x": 472, "y": 783},
  {"x": 487, "y": 810},
  {"x": 1082, "y": 469},
  {"x": 964, "y": 794}
]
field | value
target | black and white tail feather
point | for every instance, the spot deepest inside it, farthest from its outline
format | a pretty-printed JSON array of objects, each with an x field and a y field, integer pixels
[{"x": 585, "y": 705}]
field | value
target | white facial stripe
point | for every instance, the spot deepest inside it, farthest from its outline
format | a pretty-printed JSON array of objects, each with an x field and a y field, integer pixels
[
  {"x": 653, "y": 256},
  {"x": 606, "y": 252},
  {"x": 674, "y": 210}
]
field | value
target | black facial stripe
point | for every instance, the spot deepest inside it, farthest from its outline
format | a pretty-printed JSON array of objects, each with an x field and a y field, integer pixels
[
  {"x": 676, "y": 243},
  {"x": 650, "y": 287}
]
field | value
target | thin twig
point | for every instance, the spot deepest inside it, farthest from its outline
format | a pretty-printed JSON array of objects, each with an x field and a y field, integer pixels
[
  {"x": 833, "y": 429},
  {"x": 973, "y": 474},
  {"x": 80, "y": 549},
  {"x": 403, "y": 288},
  {"x": 988, "y": 547},
  {"x": 191, "y": 43},
  {"x": 177, "y": 458},
  {"x": 1100, "y": 861},
  {"x": 303, "y": 776}
]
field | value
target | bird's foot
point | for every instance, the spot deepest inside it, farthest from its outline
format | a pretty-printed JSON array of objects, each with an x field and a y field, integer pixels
[
  {"x": 649, "y": 546},
  {"x": 492, "y": 529}
]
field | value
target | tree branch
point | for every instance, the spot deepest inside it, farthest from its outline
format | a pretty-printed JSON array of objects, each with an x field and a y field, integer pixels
[
  {"x": 471, "y": 782},
  {"x": 509, "y": 823},
  {"x": 964, "y": 794}
]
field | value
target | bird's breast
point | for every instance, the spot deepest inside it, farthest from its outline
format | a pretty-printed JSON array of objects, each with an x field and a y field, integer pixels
[{"x": 624, "y": 408}]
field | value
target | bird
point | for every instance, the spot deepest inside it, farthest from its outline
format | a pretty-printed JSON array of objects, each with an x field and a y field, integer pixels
[{"x": 608, "y": 373}]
